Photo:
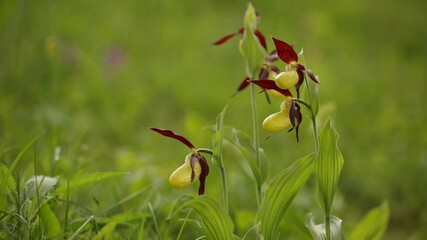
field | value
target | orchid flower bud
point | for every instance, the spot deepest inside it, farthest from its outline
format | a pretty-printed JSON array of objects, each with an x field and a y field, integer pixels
[
  {"x": 187, "y": 173},
  {"x": 280, "y": 120},
  {"x": 286, "y": 80}
]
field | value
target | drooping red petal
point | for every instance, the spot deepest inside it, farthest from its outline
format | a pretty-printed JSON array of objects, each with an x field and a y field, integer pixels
[
  {"x": 169, "y": 133},
  {"x": 224, "y": 39},
  {"x": 271, "y": 85},
  {"x": 261, "y": 38},
  {"x": 245, "y": 83},
  {"x": 285, "y": 51},
  {"x": 311, "y": 75},
  {"x": 263, "y": 73},
  {"x": 296, "y": 118},
  {"x": 300, "y": 80},
  {"x": 205, "y": 171}
]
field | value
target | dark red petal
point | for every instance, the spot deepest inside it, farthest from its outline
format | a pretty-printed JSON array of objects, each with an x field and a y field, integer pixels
[
  {"x": 169, "y": 133},
  {"x": 205, "y": 171},
  {"x": 311, "y": 75},
  {"x": 245, "y": 83},
  {"x": 261, "y": 38},
  {"x": 300, "y": 81},
  {"x": 224, "y": 39},
  {"x": 285, "y": 51},
  {"x": 263, "y": 73},
  {"x": 296, "y": 118},
  {"x": 271, "y": 85}
]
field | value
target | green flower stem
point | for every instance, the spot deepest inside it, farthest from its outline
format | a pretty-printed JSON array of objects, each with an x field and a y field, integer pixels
[
  {"x": 255, "y": 137},
  {"x": 313, "y": 121}
]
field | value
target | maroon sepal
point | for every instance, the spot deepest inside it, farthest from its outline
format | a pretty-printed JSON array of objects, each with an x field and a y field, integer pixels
[
  {"x": 271, "y": 85},
  {"x": 311, "y": 75},
  {"x": 245, "y": 83},
  {"x": 257, "y": 33},
  {"x": 285, "y": 51},
  {"x": 228, "y": 37},
  {"x": 300, "y": 73},
  {"x": 205, "y": 171},
  {"x": 296, "y": 118},
  {"x": 261, "y": 38},
  {"x": 169, "y": 133}
]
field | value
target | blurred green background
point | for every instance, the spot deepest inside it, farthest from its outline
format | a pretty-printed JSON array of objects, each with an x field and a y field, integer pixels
[{"x": 94, "y": 75}]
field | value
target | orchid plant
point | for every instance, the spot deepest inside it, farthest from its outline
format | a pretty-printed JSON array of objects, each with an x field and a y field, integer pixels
[{"x": 324, "y": 162}]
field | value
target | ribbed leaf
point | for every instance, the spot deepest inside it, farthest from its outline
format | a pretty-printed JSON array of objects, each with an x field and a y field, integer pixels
[
  {"x": 318, "y": 231},
  {"x": 88, "y": 178},
  {"x": 327, "y": 167},
  {"x": 281, "y": 193},
  {"x": 373, "y": 225},
  {"x": 216, "y": 221}
]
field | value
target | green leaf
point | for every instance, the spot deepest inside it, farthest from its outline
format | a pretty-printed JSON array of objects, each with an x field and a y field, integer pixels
[
  {"x": 373, "y": 225},
  {"x": 88, "y": 178},
  {"x": 281, "y": 193},
  {"x": 106, "y": 232},
  {"x": 328, "y": 165},
  {"x": 216, "y": 221},
  {"x": 124, "y": 217},
  {"x": 311, "y": 94},
  {"x": 8, "y": 183},
  {"x": 218, "y": 138},
  {"x": 250, "y": 47},
  {"x": 318, "y": 231},
  {"x": 244, "y": 144},
  {"x": 49, "y": 222}
]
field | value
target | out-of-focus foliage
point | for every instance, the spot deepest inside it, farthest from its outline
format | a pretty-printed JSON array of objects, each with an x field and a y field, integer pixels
[{"x": 93, "y": 75}]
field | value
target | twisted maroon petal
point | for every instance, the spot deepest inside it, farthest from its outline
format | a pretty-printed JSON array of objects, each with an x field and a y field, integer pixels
[
  {"x": 205, "y": 171},
  {"x": 285, "y": 51},
  {"x": 261, "y": 38},
  {"x": 300, "y": 79},
  {"x": 169, "y": 133},
  {"x": 271, "y": 85},
  {"x": 296, "y": 118},
  {"x": 192, "y": 163}
]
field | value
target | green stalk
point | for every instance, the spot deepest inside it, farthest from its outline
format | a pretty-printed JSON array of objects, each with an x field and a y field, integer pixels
[{"x": 255, "y": 137}]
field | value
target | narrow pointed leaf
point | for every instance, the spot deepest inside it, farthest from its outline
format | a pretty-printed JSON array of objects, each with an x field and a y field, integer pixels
[
  {"x": 285, "y": 51},
  {"x": 218, "y": 138},
  {"x": 328, "y": 165},
  {"x": 373, "y": 225},
  {"x": 169, "y": 133},
  {"x": 280, "y": 194},
  {"x": 318, "y": 231},
  {"x": 216, "y": 221}
]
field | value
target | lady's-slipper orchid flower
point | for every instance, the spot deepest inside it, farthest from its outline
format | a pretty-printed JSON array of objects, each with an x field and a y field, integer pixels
[
  {"x": 195, "y": 166},
  {"x": 294, "y": 76},
  {"x": 290, "y": 110}
]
